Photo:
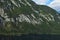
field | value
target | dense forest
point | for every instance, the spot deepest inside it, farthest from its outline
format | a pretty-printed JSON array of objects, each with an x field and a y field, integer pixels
[{"x": 25, "y": 16}]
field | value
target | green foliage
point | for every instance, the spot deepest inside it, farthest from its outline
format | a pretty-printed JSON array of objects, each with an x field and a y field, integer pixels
[{"x": 13, "y": 10}]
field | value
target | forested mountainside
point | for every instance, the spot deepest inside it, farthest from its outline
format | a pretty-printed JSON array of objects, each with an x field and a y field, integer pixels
[{"x": 25, "y": 16}]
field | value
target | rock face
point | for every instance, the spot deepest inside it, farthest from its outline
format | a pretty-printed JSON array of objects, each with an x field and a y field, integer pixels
[
  {"x": 1, "y": 17},
  {"x": 1, "y": 12},
  {"x": 25, "y": 16}
]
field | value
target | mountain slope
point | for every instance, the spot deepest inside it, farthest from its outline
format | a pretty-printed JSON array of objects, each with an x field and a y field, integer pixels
[{"x": 25, "y": 16}]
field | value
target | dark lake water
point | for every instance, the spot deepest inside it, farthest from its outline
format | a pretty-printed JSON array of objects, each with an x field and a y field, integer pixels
[{"x": 31, "y": 37}]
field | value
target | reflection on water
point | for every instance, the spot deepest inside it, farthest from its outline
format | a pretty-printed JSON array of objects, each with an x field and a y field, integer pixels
[{"x": 30, "y": 37}]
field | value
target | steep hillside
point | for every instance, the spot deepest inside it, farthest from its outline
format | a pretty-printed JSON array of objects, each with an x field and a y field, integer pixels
[{"x": 25, "y": 16}]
